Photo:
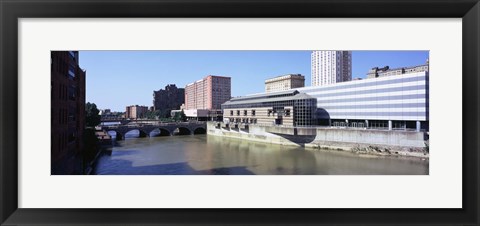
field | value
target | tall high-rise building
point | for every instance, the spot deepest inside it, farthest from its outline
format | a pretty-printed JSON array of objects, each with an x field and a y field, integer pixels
[
  {"x": 330, "y": 67},
  {"x": 208, "y": 93},
  {"x": 67, "y": 112},
  {"x": 170, "y": 98}
]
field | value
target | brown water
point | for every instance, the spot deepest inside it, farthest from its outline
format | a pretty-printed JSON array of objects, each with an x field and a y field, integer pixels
[{"x": 212, "y": 155}]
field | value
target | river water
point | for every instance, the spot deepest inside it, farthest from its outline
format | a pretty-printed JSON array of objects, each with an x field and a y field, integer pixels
[{"x": 212, "y": 155}]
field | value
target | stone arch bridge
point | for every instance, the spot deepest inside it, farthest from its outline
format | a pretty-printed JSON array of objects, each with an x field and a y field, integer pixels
[{"x": 165, "y": 129}]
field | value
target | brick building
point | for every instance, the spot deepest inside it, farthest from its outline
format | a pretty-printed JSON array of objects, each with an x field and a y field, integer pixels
[
  {"x": 135, "y": 111},
  {"x": 67, "y": 112},
  {"x": 208, "y": 93},
  {"x": 170, "y": 98}
]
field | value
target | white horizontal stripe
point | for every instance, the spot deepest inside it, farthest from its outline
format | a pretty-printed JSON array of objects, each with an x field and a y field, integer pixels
[
  {"x": 372, "y": 87},
  {"x": 334, "y": 111},
  {"x": 406, "y": 101},
  {"x": 364, "y": 81},
  {"x": 383, "y": 94},
  {"x": 398, "y": 118}
]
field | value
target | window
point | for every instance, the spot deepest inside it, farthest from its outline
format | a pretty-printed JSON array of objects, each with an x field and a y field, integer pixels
[
  {"x": 71, "y": 71},
  {"x": 72, "y": 90},
  {"x": 253, "y": 112},
  {"x": 244, "y": 112},
  {"x": 71, "y": 115},
  {"x": 72, "y": 55}
]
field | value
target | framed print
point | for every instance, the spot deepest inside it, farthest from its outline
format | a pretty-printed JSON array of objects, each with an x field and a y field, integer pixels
[{"x": 266, "y": 112}]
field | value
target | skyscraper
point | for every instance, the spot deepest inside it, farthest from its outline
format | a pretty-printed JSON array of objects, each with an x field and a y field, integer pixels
[
  {"x": 330, "y": 67},
  {"x": 208, "y": 93}
]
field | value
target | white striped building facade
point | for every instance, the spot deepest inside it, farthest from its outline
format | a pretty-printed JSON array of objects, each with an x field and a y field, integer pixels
[{"x": 393, "y": 102}]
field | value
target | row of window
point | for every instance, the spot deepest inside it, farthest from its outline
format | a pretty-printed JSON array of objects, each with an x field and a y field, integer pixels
[
  {"x": 244, "y": 112},
  {"x": 243, "y": 120}
]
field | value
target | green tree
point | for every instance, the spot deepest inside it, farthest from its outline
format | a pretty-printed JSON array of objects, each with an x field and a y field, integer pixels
[
  {"x": 180, "y": 116},
  {"x": 183, "y": 117},
  {"x": 91, "y": 115}
]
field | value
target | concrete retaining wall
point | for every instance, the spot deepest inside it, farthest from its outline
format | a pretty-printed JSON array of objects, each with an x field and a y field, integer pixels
[{"x": 322, "y": 136}]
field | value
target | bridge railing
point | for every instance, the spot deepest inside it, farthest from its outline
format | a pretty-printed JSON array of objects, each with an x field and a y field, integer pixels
[{"x": 133, "y": 125}]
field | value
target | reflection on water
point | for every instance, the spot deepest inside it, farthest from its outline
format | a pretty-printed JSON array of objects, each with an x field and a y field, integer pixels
[{"x": 205, "y": 154}]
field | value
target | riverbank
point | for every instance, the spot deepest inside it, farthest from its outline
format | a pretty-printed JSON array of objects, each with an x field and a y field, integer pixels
[
  {"x": 361, "y": 142},
  {"x": 371, "y": 150}
]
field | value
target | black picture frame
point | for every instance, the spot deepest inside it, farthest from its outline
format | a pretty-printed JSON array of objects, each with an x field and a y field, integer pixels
[{"x": 12, "y": 10}]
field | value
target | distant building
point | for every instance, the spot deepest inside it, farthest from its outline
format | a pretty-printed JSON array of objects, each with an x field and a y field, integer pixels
[
  {"x": 386, "y": 71},
  {"x": 67, "y": 112},
  {"x": 330, "y": 67},
  {"x": 135, "y": 111},
  {"x": 208, "y": 93},
  {"x": 105, "y": 112},
  {"x": 170, "y": 98},
  {"x": 200, "y": 114},
  {"x": 284, "y": 82}
]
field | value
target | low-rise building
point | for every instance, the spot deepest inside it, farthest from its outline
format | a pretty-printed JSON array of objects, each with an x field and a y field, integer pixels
[
  {"x": 289, "y": 108},
  {"x": 284, "y": 82},
  {"x": 135, "y": 111},
  {"x": 377, "y": 72}
]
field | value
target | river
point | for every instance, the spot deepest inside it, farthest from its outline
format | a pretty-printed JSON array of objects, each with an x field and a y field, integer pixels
[{"x": 211, "y": 155}]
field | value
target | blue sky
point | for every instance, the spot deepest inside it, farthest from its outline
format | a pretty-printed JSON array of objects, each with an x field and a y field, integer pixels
[{"x": 116, "y": 79}]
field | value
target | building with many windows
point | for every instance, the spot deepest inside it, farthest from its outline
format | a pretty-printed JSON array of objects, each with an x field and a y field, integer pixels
[
  {"x": 330, "y": 67},
  {"x": 135, "y": 111},
  {"x": 67, "y": 112},
  {"x": 290, "y": 108},
  {"x": 208, "y": 93},
  {"x": 170, "y": 98},
  {"x": 284, "y": 82},
  {"x": 395, "y": 102}
]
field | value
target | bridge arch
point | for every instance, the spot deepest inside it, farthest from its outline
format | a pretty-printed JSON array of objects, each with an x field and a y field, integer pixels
[
  {"x": 182, "y": 131},
  {"x": 141, "y": 133},
  {"x": 157, "y": 132},
  {"x": 199, "y": 130},
  {"x": 118, "y": 135}
]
